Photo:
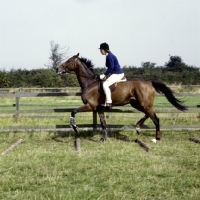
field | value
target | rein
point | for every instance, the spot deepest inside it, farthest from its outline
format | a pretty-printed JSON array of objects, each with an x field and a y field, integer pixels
[{"x": 88, "y": 77}]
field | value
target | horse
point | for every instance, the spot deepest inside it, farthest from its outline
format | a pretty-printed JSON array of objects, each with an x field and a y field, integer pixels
[{"x": 137, "y": 92}]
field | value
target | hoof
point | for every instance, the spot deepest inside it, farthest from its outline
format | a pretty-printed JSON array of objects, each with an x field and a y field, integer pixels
[{"x": 102, "y": 140}]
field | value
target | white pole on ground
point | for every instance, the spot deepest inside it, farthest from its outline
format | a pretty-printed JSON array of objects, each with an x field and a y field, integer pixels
[{"x": 12, "y": 146}]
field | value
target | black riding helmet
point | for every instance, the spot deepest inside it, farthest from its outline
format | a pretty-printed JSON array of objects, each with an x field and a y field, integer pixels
[{"x": 104, "y": 46}]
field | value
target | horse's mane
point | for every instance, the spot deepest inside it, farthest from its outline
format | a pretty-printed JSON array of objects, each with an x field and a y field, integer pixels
[{"x": 88, "y": 63}]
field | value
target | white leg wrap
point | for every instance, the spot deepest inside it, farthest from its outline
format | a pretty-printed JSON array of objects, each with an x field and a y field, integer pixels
[
  {"x": 138, "y": 129},
  {"x": 154, "y": 140},
  {"x": 71, "y": 121}
]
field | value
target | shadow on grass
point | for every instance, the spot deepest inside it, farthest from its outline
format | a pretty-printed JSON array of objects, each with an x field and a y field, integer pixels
[
  {"x": 129, "y": 138},
  {"x": 58, "y": 136},
  {"x": 61, "y": 136}
]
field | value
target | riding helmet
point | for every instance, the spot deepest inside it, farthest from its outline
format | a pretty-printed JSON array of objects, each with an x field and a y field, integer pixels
[{"x": 104, "y": 46}]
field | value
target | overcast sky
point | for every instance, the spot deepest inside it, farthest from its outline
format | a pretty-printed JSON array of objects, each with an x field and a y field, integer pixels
[{"x": 136, "y": 30}]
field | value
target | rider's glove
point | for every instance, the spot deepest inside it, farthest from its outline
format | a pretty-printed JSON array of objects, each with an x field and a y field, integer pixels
[{"x": 102, "y": 77}]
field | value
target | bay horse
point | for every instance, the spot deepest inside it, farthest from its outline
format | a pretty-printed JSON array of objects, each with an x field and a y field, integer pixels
[{"x": 137, "y": 92}]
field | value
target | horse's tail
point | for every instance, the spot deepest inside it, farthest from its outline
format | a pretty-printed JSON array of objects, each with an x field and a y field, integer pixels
[{"x": 162, "y": 88}]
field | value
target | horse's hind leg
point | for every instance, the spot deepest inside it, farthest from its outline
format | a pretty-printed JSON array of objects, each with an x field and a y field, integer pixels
[
  {"x": 148, "y": 113},
  {"x": 156, "y": 122},
  {"x": 135, "y": 104},
  {"x": 140, "y": 123}
]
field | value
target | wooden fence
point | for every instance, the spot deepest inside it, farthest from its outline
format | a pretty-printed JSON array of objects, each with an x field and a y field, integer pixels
[
  {"x": 17, "y": 95},
  {"x": 176, "y": 88}
]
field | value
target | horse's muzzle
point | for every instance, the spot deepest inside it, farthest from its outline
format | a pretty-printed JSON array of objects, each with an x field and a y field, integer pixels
[{"x": 60, "y": 72}]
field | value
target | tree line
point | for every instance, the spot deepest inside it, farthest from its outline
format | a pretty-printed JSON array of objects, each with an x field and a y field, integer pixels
[{"x": 173, "y": 71}]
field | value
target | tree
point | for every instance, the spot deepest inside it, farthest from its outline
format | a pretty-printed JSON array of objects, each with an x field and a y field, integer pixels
[
  {"x": 4, "y": 80},
  {"x": 148, "y": 65},
  {"x": 57, "y": 56},
  {"x": 175, "y": 64}
]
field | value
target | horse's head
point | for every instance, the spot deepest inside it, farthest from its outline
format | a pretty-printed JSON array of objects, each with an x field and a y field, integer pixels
[{"x": 67, "y": 66}]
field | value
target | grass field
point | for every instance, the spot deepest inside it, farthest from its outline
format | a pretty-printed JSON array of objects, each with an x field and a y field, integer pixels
[{"x": 46, "y": 166}]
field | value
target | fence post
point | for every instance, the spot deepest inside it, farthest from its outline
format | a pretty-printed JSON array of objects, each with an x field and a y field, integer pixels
[
  {"x": 94, "y": 121},
  {"x": 17, "y": 106}
]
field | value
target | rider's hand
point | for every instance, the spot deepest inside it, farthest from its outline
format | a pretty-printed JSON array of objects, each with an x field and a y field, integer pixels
[{"x": 102, "y": 77}]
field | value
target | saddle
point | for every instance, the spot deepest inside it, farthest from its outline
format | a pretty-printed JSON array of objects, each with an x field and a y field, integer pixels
[{"x": 113, "y": 86}]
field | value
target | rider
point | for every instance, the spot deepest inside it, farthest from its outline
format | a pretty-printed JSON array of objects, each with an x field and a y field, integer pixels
[{"x": 114, "y": 69}]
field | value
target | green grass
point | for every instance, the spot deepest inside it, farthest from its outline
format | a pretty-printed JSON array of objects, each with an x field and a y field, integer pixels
[{"x": 46, "y": 166}]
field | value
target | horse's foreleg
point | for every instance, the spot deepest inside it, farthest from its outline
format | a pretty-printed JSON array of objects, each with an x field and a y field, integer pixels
[
  {"x": 140, "y": 123},
  {"x": 103, "y": 125},
  {"x": 83, "y": 108},
  {"x": 72, "y": 121}
]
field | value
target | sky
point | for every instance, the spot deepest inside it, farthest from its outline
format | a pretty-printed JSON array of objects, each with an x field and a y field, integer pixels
[{"x": 136, "y": 30}]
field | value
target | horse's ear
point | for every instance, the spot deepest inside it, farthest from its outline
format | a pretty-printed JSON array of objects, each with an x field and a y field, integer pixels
[{"x": 77, "y": 55}]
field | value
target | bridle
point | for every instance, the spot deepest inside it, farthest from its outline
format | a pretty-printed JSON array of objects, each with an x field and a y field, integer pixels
[{"x": 93, "y": 77}]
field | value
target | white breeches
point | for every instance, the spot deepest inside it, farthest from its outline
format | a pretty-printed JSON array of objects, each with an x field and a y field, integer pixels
[{"x": 112, "y": 79}]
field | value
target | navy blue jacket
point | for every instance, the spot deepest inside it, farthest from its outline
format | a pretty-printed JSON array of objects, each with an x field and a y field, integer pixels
[{"x": 113, "y": 65}]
